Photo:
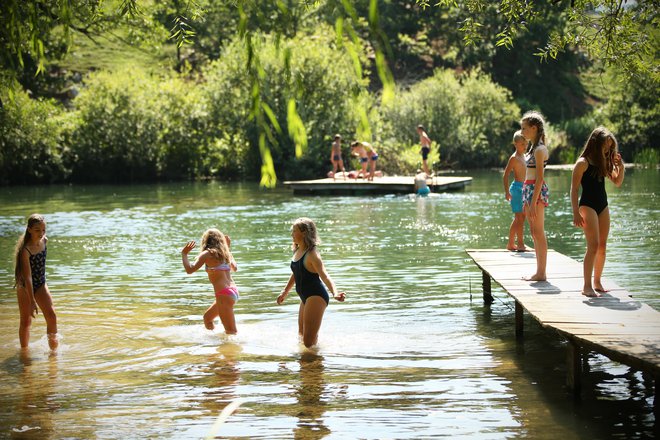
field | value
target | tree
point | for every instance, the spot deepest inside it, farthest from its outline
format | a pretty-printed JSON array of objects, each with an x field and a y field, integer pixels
[{"x": 621, "y": 33}]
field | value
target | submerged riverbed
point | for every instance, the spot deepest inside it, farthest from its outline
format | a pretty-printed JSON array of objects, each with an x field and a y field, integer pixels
[{"x": 412, "y": 353}]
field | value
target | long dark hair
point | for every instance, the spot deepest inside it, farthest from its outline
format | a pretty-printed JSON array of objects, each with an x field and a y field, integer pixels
[
  {"x": 593, "y": 151},
  {"x": 20, "y": 245}
]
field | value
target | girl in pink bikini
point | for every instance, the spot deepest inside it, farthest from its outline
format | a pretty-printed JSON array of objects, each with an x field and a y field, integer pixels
[{"x": 219, "y": 263}]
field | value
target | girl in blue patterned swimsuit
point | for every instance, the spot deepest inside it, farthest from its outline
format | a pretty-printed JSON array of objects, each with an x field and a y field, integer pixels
[
  {"x": 30, "y": 281},
  {"x": 535, "y": 190}
]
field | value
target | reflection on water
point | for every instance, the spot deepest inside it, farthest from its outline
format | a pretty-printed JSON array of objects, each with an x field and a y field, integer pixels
[{"x": 412, "y": 353}]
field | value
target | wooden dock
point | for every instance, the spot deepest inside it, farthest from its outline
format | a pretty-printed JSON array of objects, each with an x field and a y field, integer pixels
[
  {"x": 380, "y": 185},
  {"x": 615, "y": 324}
]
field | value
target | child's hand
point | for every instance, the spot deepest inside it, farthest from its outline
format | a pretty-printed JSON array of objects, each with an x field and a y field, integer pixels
[
  {"x": 281, "y": 297},
  {"x": 35, "y": 309},
  {"x": 188, "y": 247},
  {"x": 341, "y": 296},
  {"x": 507, "y": 196},
  {"x": 228, "y": 240},
  {"x": 578, "y": 221}
]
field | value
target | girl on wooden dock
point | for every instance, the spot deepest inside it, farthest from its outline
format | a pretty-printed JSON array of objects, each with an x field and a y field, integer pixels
[
  {"x": 599, "y": 160},
  {"x": 535, "y": 190},
  {"x": 217, "y": 257},
  {"x": 307, "y": 272},
  {"x": 30, "y": 282}
]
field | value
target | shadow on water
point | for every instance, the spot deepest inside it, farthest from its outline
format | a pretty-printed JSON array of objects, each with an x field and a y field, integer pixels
[{"x": 615, "y": 402}]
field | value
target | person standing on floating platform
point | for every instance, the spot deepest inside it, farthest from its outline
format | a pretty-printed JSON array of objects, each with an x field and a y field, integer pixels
[
  {"x": 425, "y": 142},
  {"x": 307, "y": 272},
  {"x": 535, "y": 190},
  {"x": 30, "y": 282},
  {"x": 599, "y": 160},
  {"x": 219, "y": 263},
  {"x": 368, "y": 155},
  {"x": 336, "y": 159},
  {"x": 513, "y": 192}
]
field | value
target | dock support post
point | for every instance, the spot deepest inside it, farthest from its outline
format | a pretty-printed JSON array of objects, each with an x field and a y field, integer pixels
[
  {"x": 574, "y": 370},
  {"x": 485, "y": 277},
  {"x": 519, "y": 320}
]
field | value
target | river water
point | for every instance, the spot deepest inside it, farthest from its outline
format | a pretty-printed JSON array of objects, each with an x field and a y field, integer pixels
[{"x": 412, "y": 353}]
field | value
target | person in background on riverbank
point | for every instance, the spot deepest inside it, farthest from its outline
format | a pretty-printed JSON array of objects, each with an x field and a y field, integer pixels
[
  {"x": 217, "y": 257},
  {"x": 336, "y": 159},
  {"x": 307, "y": 272},
  {"x": 599, "y": 160},
  {"x": 368, "y": 155},
  {"x": 425, "y": 142},
  {"x": 535, "y": 190},
  {"x": 513, "y": 192},
  {"x": 30, "y": 282}
]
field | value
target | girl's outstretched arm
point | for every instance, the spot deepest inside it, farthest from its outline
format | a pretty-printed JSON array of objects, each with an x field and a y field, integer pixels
[
  {"x": 314, "y": 260},
  {"x": 282, "y": 296},
  {"x": 578, "y": 171},
  {"x": 201, "y": 258}
]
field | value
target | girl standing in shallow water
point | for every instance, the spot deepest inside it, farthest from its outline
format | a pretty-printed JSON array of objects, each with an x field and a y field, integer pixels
[
  {"x": 308, "y": 271},
  {"x": 219, "y": 265},
  {"x": 599, "y": 160},
  {"x": 535, "y": 190},
  {"x": 30, "y": 281}
]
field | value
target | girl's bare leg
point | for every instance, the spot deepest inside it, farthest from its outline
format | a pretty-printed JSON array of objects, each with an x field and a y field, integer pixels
[
  {"x": 25, "y": 310},
  {"x": 591, "y": 236},
  {"x": 210, "y": 315},
  {"x": 314, "y": 309},
  {"x": 537, "y": 227},
  {"x": 226, "y": 312},
  {"x": 45, "y": 303},
  {"x": 603, "y": 233}
]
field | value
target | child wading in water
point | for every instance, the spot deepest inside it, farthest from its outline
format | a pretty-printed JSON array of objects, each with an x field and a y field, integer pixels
[
  {"x": 308, "y": 271},
  {"x": 513, "y": 193},
  {"x": 599, "y": 160},
  {"x": 535, "y": 190},
  {"x": 30, "y": 281},
  {"x": 219, "y": 265}
]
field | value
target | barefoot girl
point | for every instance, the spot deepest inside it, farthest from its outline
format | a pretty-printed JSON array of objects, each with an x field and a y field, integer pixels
[
  {"x": 30, "y": 281},
  {"x": 308, "y": 271},
  {"x": 219, "y": 265},
  {"x": 599, "y": 160},
  {"x": 535, "y": 190}
]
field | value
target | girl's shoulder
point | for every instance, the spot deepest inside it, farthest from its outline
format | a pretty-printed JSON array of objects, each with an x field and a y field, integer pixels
[{"x": 581, "y": 164}]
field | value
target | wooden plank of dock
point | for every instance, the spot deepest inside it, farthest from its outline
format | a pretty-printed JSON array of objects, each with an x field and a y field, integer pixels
[
  {"x": 380, "y": 185},
  {"x": 615, "y": 324}
]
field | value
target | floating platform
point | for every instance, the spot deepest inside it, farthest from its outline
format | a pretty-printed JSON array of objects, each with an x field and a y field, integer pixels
[
  {"x": 614, "y": 324},
  {"x": 380, "y": 185}
]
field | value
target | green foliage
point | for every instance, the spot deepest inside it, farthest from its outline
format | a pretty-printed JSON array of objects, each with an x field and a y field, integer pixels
[
  {"x": 307, "y": 71},
  {"x": 134, "y": 127},
  {"x": 633, "y": 108},
  {"x": 647, "y": 158},
  {"x": 469, "y": 118},
  {"x": 30, "y": 143}
]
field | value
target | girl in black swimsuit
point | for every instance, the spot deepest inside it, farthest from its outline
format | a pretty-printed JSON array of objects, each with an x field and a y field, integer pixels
[
  {"x": 30, "y": 281},
  {"x": 599, "y": 160},
  {"x": 307, "y": 272}
]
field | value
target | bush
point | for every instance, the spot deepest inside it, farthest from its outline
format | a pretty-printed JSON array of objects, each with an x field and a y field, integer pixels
[
  {"x": 647, "y": 158},
  {"x": 470, "y": 119},
  {"x": 132, "y": 126},
  {"x": 30, "y": 141},
  {"x": 308, "y": 69}
]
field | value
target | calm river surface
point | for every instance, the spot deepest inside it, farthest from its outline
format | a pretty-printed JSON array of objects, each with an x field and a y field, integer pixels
[{"x": 412, "y": 353}]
